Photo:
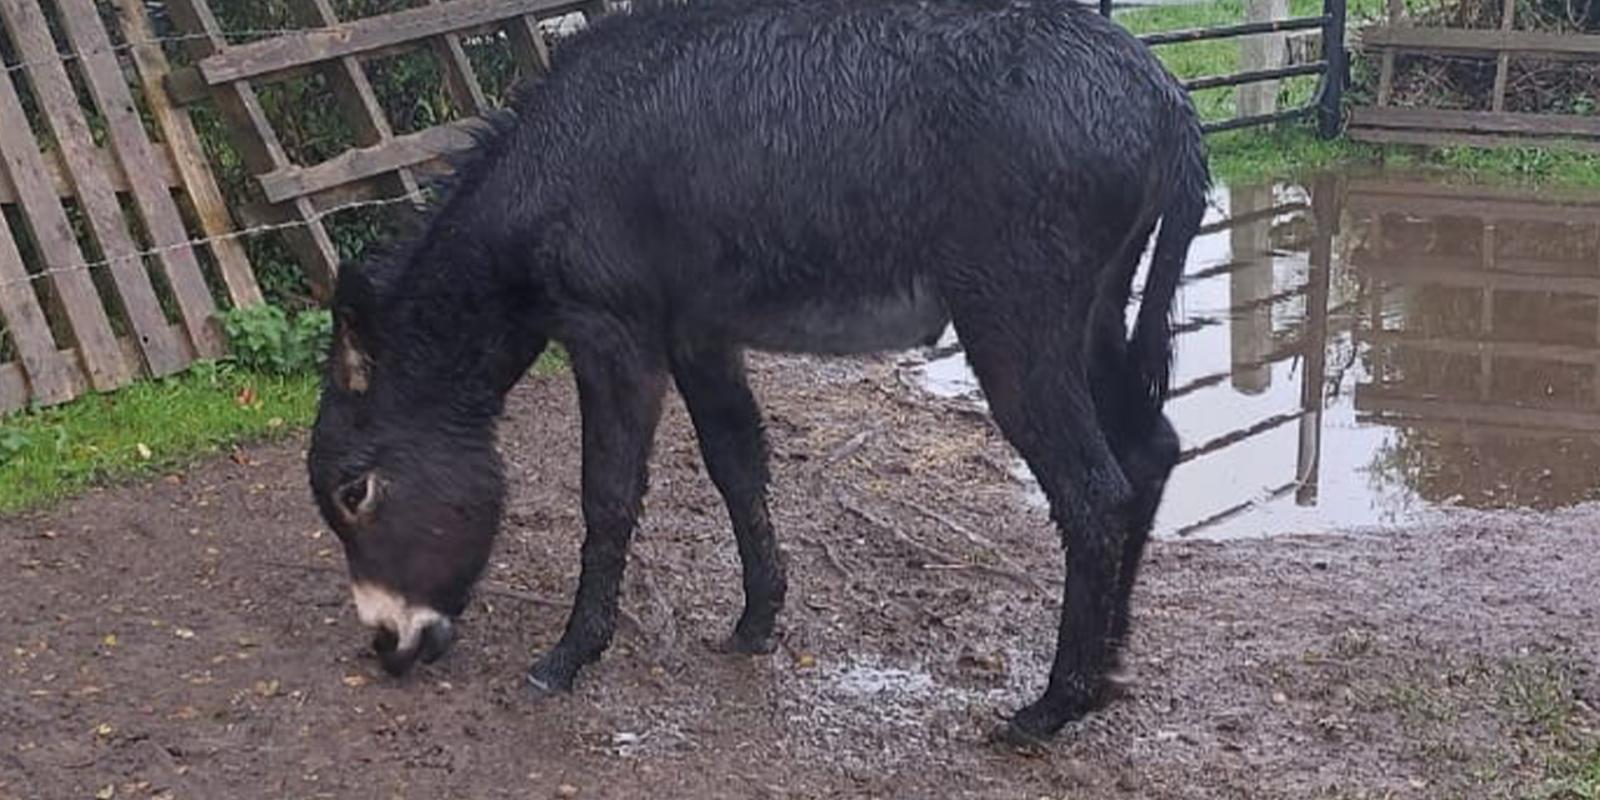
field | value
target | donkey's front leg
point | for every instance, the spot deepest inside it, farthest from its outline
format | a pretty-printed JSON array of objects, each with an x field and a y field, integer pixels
[{"x": 620, "y": 387}]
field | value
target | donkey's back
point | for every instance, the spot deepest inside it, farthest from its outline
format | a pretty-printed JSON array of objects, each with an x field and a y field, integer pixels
[{"x": 816, "y": 175}]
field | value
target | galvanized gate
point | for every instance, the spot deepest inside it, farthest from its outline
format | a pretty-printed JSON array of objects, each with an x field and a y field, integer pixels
[{"x": 1333, "y": 66}]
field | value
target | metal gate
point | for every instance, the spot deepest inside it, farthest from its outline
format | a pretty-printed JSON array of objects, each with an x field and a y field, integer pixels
[{"x": 1333, "y": 66}]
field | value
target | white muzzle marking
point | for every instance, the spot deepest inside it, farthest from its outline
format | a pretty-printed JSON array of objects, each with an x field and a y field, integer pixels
[{"x": 379, "y": 607}]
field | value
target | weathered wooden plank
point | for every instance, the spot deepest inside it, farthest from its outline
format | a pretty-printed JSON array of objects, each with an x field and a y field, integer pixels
[
  {"x": 1496, "y": 122},
  {"x": 14, "y": 392},
  {"x": 1396, "y": 9},
  {"x": 528, "y": 47},
  {"x": 1420, "y": 270},
  {"x": 1553, "y": 197},
  {"x": 1481, "y": 42},
  {"x": 358, "y": 102},
  {"x": 168, "y": 173},
  {"x": 1562, "y": 353},
  {"x": 460, "y": 77},
  {"x": 364, "y": 163},
  {"x": 126, "y": 134},
  {"x": 1488, "y": 209},
  {"x": 188, "y": 156},
  {"x": 25, "y": 324},
  {"x": 1440, "y": 138},
  {"x": 47, "y": 221},
  {"x": 1375, "y": 399},
  {"x": 1497, "y": 101},
  {"x": 259, "y": 145},
  {"x": 31, "y": 35},
  {"x": 269, "y": 56}
]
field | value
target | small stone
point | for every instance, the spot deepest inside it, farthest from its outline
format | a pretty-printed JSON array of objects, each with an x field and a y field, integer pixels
[
  {"x": 355, "y": 681},
  {"x": 1279, "y": 698},
  {"x": 806, "y": 661},
  {"x": 566, "y": 790},
  {"x": 183, "y": 633}
]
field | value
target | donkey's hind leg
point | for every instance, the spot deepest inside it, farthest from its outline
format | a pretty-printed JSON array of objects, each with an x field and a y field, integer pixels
[
  {"x": 1026, "y": 343},
  {"x": 1140, "y": 436},
  {"x": 727, "y": 422}
]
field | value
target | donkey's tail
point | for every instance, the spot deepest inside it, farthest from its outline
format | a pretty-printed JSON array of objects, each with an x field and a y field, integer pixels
[{"x": 1188, "y": 181}]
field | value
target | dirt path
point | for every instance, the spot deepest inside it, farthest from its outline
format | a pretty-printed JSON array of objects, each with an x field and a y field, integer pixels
[{"x": 193, "y": 638}]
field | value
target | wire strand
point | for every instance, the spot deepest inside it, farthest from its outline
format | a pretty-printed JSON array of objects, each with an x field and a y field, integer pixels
[{"x": 50, "y": 272}]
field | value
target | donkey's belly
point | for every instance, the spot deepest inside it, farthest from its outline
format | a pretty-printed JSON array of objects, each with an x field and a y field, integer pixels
[{"x": 834, "y": 326}]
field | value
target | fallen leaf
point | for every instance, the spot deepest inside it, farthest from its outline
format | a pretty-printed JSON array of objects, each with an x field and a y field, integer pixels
[
  {"x": 186, "y": 713},
  {"x": 144, "y": 451},
  {"x": 806, "y": 661},
  {"x": 246, "y": 396},
  {"x": 183, "y": 633},
  {"x": 103, "y": 730},
  {"x": 106, "y": 792},
  {"x": 110, "y": 640},
  {"x": 355, "y": 681},
  {"x": 267, "y": 688},
  {"x": 566, "y": 790}
]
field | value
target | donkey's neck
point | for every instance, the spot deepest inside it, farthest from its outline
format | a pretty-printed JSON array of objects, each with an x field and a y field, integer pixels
[{"x": 463, "y": 320}]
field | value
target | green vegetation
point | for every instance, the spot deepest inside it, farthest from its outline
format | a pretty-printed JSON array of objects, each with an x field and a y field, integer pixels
[
  {"x": 145, "y": 429},
  {"x": 1253, "y": 155},
  {"x": 268, "y": 387},
  {"x": 266, "y": 340}
]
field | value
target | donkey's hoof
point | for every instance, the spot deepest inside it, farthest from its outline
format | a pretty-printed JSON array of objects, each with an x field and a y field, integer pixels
[
  {"x": 747, "y": 644},
  {"x": 1019, "y": 738},
  {"x": 549, "y": 676}
]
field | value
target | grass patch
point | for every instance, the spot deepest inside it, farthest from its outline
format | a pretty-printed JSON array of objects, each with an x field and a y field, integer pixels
[
  {"x": 1511, "y": 726},
  {"x": 155, "y": 426},
  {"x": 1292, "y": 150},
  {"x": 144, "y": 429}
]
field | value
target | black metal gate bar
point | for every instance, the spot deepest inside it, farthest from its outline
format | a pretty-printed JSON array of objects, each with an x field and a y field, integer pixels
[
  {"x": 1334, "y": 66},
  {"x": 1254, "y": 76},
  {"x": 1232, "y": 31},
  {"x": 1258, "y": 119}
]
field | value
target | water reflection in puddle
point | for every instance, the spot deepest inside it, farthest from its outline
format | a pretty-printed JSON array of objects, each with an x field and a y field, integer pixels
[{"x": 1362, "y": 352}]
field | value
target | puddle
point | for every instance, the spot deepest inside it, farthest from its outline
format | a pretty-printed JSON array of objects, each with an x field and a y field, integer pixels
[{"x": 1422, "y": 348}]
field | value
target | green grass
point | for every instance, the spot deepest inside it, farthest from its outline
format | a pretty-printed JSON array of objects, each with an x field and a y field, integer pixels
[
  {"x": 49, "y": 455},
  {"x": 1256, "y": 155},
  {"x": 153, "y": 427},
  {"x": 144, "y": 429}
]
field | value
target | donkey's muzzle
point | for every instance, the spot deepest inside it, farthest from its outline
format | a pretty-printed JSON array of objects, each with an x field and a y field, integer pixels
[{"x": 431, "y": 644}]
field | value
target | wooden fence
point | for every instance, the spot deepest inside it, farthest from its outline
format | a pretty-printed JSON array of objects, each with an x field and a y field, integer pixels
[
  {"x": 382, "y": 163},
  {"x": 1383, "y": 122},
  {"x": 95, "y": 291},
  {"x": 1492, "y": 277}
]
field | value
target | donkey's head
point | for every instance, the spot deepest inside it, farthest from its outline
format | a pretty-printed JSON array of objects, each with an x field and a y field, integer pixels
[{"x": 404, "y": 469}]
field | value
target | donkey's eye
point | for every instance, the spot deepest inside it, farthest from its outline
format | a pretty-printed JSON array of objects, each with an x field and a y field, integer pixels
[
  {"x": 358, "y": 498},
  {"x": 352, "y": 495}
]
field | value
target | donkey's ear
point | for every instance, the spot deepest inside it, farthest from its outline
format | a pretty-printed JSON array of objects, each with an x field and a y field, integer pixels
[
  {"x": 354, "y": 303},
  {"x": 351, "y": 365}
]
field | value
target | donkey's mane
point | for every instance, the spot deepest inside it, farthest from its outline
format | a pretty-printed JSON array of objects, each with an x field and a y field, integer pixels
[{"x": 407, "y": 228}]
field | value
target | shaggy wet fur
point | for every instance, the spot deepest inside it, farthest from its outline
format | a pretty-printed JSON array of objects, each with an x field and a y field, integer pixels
[{"x": 826, "y": 176}]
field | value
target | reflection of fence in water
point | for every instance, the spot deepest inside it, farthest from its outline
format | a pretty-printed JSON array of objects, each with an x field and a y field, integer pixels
[
  {"x": 1262, "y": 273},
  {"x": 1501, "y": 411},
  {"x": 1495, "y": 353}
]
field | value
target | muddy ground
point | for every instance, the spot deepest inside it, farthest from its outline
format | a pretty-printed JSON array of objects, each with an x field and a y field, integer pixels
[{"x": 193, "y": 637}]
